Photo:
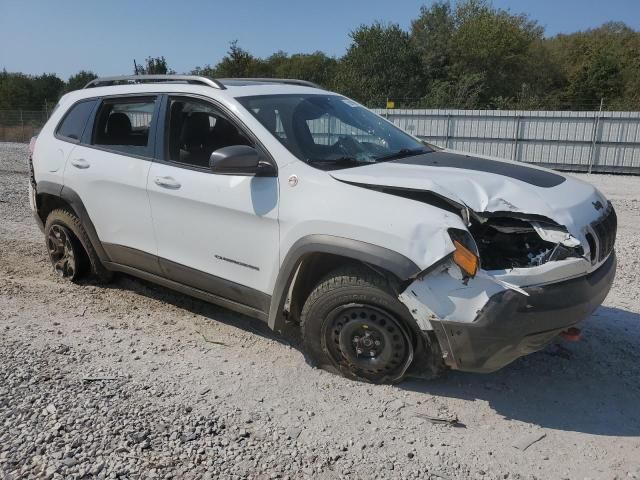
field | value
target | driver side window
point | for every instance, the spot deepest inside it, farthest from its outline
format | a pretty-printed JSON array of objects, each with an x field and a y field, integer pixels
[{"x": 197, "y": 129}]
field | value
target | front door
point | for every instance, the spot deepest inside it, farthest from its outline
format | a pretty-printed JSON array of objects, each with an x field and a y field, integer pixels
[{"x": 217, "y": 233}]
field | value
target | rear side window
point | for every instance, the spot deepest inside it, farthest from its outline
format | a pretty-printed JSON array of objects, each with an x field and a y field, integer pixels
[
  {"x": 74, "y": 122},
  {"x": 124, "y": 124}
]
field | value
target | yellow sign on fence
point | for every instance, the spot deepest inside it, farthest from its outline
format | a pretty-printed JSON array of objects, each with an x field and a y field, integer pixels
[{"x": 391, "y": 104}]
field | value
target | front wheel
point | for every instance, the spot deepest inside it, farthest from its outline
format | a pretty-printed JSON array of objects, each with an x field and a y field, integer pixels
[{"x": 353, "y": 324}]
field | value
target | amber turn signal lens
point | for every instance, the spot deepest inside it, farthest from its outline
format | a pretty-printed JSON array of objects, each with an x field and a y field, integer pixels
[{"x": 465, "y": 259}]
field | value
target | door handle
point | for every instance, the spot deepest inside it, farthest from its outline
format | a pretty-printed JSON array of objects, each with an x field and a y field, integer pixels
[
  {"x": 80, "y": 163},
  {"x": 167, "y": 182}
]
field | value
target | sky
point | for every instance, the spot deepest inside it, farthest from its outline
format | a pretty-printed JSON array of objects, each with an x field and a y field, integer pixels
[{"x": 65, "y": 36}]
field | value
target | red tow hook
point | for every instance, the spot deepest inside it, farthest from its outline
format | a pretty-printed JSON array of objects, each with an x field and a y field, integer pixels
[{"x": 571, "y": 334}]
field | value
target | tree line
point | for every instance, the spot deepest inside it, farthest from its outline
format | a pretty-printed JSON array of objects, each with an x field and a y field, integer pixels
[{"x": 463, "y": 55}]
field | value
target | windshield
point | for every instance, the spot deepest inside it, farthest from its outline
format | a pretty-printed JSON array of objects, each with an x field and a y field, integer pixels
[{"x": 330, "y": 131}]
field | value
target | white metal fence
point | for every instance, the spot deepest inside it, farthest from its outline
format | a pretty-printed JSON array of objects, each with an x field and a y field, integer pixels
[{"x": 578, "y": 141}]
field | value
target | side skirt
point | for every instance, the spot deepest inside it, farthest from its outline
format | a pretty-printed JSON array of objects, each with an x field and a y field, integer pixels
[{"x": 194, "y": 292}]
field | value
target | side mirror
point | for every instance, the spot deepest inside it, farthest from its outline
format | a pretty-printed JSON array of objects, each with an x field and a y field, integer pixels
[{"x": 235, "y": 160}]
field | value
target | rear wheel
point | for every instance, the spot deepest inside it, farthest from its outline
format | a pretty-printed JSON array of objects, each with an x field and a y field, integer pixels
[
  {"x": 353, "y": 324},
  {"x": 65, "y": 252},
  {"x": 70, "y": 250}
]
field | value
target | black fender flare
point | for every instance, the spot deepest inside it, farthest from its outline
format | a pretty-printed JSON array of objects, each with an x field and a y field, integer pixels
[
  {"x": 375, "y": 255},
  {"x": 71, "y": 197}
]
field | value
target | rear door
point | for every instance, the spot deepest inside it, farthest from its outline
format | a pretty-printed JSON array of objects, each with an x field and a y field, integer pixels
[
  {"x": 217, "y": 233},
  {"x": 108, "y": 169}
]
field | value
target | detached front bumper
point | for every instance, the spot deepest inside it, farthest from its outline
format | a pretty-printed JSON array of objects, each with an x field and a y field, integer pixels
[{"x": 511, "y": 324}]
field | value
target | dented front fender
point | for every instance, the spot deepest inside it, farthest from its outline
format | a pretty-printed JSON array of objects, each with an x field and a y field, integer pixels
[{"x": 444, "y": 294}]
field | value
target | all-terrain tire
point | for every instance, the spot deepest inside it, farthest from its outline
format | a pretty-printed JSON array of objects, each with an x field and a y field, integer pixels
[
  {"x": 88, "y": 258},
  {"x": 350, "y": 306}
]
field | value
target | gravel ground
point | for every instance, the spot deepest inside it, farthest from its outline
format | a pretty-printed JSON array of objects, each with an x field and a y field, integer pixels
[{"x": 135, "y": 381}]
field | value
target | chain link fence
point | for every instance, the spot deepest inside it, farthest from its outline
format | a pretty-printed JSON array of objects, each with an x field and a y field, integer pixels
[{"x": 21, "y": 125}]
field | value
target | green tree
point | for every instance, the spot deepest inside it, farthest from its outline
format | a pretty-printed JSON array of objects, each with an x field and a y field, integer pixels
[
  {"x": 47, "y": 89},
  {"x": 599, "y": 77},
  {"x": 461, "y": 92},
  {"x": 432, "y": 34},
  {"x": 239, "y": 63},
  {"x": 276, "y": 61},
  {"x": 79, "y": 80},
  {"x": 315, "y": 67},
  {"x": 496, "y": 44},
  {"x": 599, "y": 63},
  {"x": 206, "y": 71},
  {"x": 16, "y": 91},
  {"x": 25, "y": 92},
  {"x": 380, "y": 63},
  {"x": 474, "y": 54},
  {"x": 152, "y": 66}
]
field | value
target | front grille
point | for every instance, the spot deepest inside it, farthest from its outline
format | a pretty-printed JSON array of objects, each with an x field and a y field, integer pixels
[{"x": 604, "y": 230}]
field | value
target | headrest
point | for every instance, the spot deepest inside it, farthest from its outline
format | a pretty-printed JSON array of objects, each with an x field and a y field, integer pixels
[
  {"x": 195, "y": 129},
  {"x": 118, "y": 125}
]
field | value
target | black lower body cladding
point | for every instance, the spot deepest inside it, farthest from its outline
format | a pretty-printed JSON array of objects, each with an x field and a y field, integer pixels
[{"x": 512, "y": 325}]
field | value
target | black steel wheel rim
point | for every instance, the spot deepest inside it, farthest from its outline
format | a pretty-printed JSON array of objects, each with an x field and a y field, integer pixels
[
  {"x": 61, "y": 251},
  {"x": 368, "y": 340}
]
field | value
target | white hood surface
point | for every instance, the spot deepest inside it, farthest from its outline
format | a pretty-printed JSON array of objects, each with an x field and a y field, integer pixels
[{"x": 490, "y": 185}]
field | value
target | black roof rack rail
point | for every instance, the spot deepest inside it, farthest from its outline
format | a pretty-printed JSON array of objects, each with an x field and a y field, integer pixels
[
  {"x": 288, "y": 81},
  {"x": 133, "y": 79}
]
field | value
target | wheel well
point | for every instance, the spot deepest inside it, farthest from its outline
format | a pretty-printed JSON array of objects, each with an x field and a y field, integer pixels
[
  {"x": 46, "y": 203},
  {"x": 312, "y": 269}
]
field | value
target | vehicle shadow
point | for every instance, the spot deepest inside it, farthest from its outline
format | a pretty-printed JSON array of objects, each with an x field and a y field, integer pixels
[
  {"x": 289, "y": 337},
  {"x": 592, "y": 386}
]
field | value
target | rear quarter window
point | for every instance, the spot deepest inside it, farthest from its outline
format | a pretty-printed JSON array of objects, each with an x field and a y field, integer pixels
[{"x": 74, "y": 122}]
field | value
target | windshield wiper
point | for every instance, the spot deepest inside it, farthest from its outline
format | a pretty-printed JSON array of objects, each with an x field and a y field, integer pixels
[{"x": 404, "y": 152}]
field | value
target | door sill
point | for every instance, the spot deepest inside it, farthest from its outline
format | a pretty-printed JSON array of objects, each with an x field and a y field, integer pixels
[{"x": 187, "y": 290}]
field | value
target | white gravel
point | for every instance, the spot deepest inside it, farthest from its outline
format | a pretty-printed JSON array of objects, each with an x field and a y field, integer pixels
[{"x": 135, "y": 381}]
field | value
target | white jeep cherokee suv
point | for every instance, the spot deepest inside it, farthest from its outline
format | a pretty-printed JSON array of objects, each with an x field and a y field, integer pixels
[{"x": 284, "y": 201}]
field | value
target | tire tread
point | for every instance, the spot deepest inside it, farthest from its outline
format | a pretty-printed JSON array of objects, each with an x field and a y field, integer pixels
[{"x": 347, "y": 276}]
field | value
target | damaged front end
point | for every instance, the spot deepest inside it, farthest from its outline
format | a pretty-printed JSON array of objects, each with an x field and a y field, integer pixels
[
  {"x": 543, "y": 244},
  {"x": 510, "y": 242},
  {"x": 534, "y": 280}
]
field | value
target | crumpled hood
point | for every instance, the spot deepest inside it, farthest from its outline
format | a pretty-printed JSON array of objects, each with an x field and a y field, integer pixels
[{"x": 486, "y": 184}]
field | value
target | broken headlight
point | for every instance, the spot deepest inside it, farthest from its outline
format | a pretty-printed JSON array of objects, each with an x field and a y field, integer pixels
[{"x": 505, "y": 242}]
